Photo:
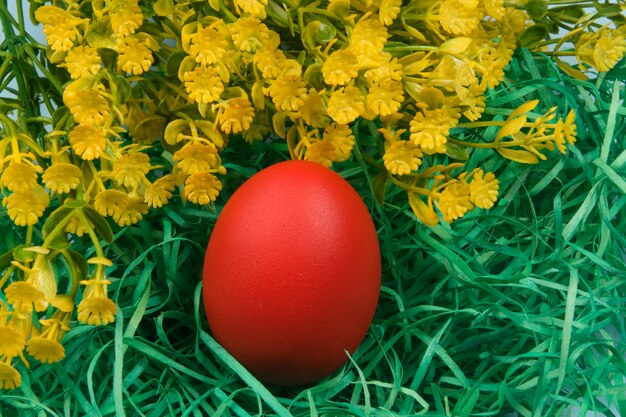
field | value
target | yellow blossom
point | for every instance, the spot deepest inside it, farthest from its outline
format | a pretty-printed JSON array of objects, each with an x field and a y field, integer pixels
[
  {"x": 248, "y": 33},
  {"x": 495, "y": 8},
  {"x": 388, "y": 11},
  {"x": 45, "y": 350},
  {"x": 313, "y": 111},
  {"x": 322, "y": 152},
  {"x": 367, "y": 38},
  {"x": 429, "y": 130},
  {"x": 76, "y": 227},
  {"x": 236, "y": 115},
  {"x": 62, "y": 177},
  {"x": 341, "y": 138},
  {"x": 208, "y": 46},
  {"x": 26, "y": 207},
  {"x": 609, "y": 48},
  {"x": 202, "y": 188},
  {"x": 89, "y": 142},
  {"x": 387, "y": 68},
  {"x": 130, "y": 169},
  {"x": 401, "y": 157},
  {"x": 59, "y": 26},
  {"x": 454, "y": 201},
  {"x": 126, "y": 16},
  {"x": 346, "y": 104},
  {"x": 20, "y": 176},
  {"x": 484, "y": 189},
  {"x": 96, "y": 310},
  {"x": 132, "y": 212},
  {"x": 194, "y": 158},
  {"x": 269, "y": 60},
  {"x": 24, "y": 297},
  {"x": 288, "y": 92},
  {"x": 87, "y": 105},
  {"x": 134, "y": 56},
  {"x": 460, "y": 17},
  {"x": 111, "y": 202},
  {"x": 203, "y": 84},
  {"x": 11, "y": 341},
  {"x": 9, "y": 377},
  {"x": 340, "y": 67},
  {"x": 251, "y": 7},
  {"x": 385, "y": 98},
  {"x": 82, "y": 61},
  {"x": 160, "y": 191}
]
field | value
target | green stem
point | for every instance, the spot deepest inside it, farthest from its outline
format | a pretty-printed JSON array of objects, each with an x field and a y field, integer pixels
[
  {"x": 91, "y": 232},
  {"x": 59, "y": 228},
  {"x": 472, "y": 144},
  {"x": 57, "y": 85}
]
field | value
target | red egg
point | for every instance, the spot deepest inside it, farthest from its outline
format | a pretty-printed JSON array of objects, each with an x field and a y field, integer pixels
[{"x": 292, "y": 273}]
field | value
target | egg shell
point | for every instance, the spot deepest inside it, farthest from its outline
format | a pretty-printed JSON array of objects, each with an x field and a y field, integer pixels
[{"x": 292, "y": 273}]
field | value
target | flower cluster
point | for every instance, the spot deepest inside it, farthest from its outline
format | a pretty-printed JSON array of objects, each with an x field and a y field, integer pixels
[{"x": 151, "y": 91}]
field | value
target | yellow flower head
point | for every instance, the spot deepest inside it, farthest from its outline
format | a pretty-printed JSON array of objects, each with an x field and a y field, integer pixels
[
  {"x": 160, "y": 191},
  {"x": 45, "y": 350},
  {"x": 401, "y": 157},
  {"x": 76, "y": 227},
  {"x": 387, "y": 68},
  {"x": 288, "y": 92},
  {"x": 131, "y": 169},
  {"x": 24, "y": 297},
  {"x": 87, "y": 105},
  {"x": 208, "y": 45},
  {"x": 252, "y": 7},
  {"x": 202, "y": 188},
  {"x": 26, "y": 207},
  {"x": 11, "y": 342},
  {"x": 454, "y": 201},
  {"x": 609, "y": 48},
  {"x": 203, "y": 84},
  {"x": 459, "y": 17},
  {"x": 20, "y": 176},
  {"x": 346, "y": 104},
  {"x": 132, "y": 212},
  {"x": 429, "y": 130},
  {"x": 368, "y": 37},
  {"x": 340, "y": 67},
  {"x": 134, "y": 56},
  {"x": 388, "y": 11},
  {"x": 111, "y": 202},
  {"x": 59, "y": 26},
  {"x": 96, "y": 310},
  {"x": 322, "y": 152},
  {"x": 195, "y": 158},
  {"x": 236, "y": 115},
  {"x": 342, "y": 139},
  {"x": 88, "y": 142},
  {"x": 9, "y": 377},
  {"x": 269, "y": 61},
  {"x": 82, "y": 61},
  {"x": 495, "y": 8},
  {"x": 385, "y": 98},
  {"x": 126, "y": 16},
  {"x": 313, "y": 111},
  {"x": 248, "y": 33},
  {"x": 62, "y": 177},
  {"x": 484, "y": 189}
]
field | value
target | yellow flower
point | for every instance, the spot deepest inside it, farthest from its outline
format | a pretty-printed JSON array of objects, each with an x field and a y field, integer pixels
[
  {"x": 88, "y": 142},
  {"x": 208, "y": 46},
  {"x": 87, "y": 105},
  {"x": 269, "y": 60},
  {"x": 160, "y": 191},
  {"x": 59, "y": 26},
  {"x": 252, "y": 7},
  {"x": 132, "y": 212},
  {"x": 340, "y": 67},
  {"x": 11, "y": 341},
  {"x": 195, "y": 158},
  {"x": 20, "y": 176},
  {"x": 388, "y": 11},
  {"x": 495, "y": 8},
  {"x": 288, "y": 92},
  {"x": 460, "y": 17},
  {"x": 96, "y": 310},
  {"x": 322, "y": 152},
  {"x": 474, "y": 102},
  {"x": 368, "y": 37},
  {"x": 126, "y": 16},
  {"x": 82, "y": 61},
  {"x": 26, "y": 207},
  {"x": 484, "y": 189},
  {"x": 402, "y": 157},
  {"x": 202, "y": 188},
  {"x": 203, "y": 84},
  {"x": 313, "y": 111},
  {"x": 385, "y": 98},
  {"x": 24, "y": 297},
  {"x": 45, "y": 350},
  {"x": 62, "y": 177},
  {"x": 342, "y": 139},
  {"x": 76, "y": 227},
  {"x": 236, "y": 115},
  {"x": 387, "y": 68},
  {"x": 346, "y": 104},
  {"x": 131, "y": 169},
  {"x": 515, "y": 20},
  {"x": 110, "y": 202},
  {"x": 609, "y": 48},
  {"x": 9, "y": 377},
  {"x": 134, "y": 56},
  {"x": 454, "y": 201},
  {"x": 248, "y": 33},
  {"x": 429, "y": 130}
]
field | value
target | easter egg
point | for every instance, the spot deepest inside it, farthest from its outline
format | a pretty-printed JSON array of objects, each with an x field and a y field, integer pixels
[{"x": 292, "y": 273}]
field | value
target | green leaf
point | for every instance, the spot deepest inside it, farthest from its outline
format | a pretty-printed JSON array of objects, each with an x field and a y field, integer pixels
[
  {"x": 533, "y": 34},
  {"x": 60, "y": 117},
  {"x": 120, "y": 87},
  {"x": 20, "y": 254},
  {"x": 173, "y": 62},
  {"x": 5, "y": 259},
  {"x": 379, "y": 183},
  {"x": 56, "y": 217},
  {"x": 108, "y": 57},
  {"x": 99, "y": 223},
  {"x": 75, "y": 204},
  {"x": 458, "y": 152},
  {"x": 537, "y": 8}
]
